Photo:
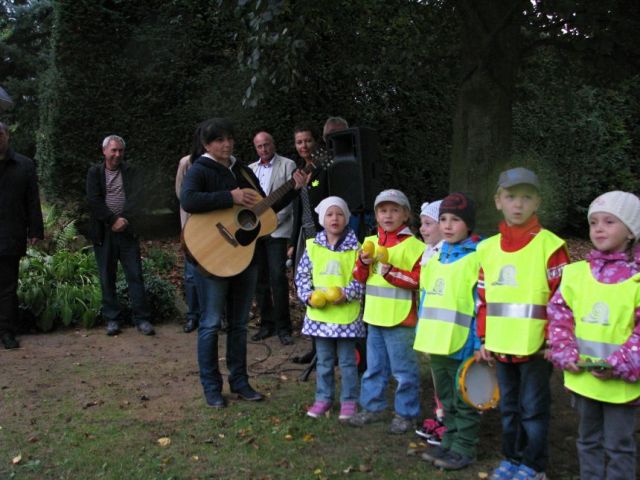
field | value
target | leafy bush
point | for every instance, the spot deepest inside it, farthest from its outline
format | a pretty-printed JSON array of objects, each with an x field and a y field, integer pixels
[
  {"x": 158, "y": 260},
  {"x": 60, "y": 288},
  {"x": 161, "y": 296}
]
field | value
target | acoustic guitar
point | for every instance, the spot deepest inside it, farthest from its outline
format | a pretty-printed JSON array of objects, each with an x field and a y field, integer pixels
[{"x": 222, "y": 242}]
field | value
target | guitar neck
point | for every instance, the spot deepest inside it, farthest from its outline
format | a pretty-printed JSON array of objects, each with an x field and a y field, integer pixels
[{"x": 268, "y": 201}]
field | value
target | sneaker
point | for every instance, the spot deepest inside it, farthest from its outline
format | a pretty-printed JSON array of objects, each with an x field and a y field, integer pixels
[
  {"x": 526, "y": 473},
  {"x": 453, "y": 461},
  {"x": 436, "y": 436},
  {"x": 113, "y": 328},
  {"x": 364, "y": 417},
  {"x": 145, "y": 328},
  {"x": 190, "y": 325},
  {"x": 400, "y": 425},
  {"x": 347, "y": 410},
  {"x": 9, "y": 341},
  {"x": 434, "y": 453},
  {"x": 505, "y": 471},
  {"x": 319, "y": 409}
]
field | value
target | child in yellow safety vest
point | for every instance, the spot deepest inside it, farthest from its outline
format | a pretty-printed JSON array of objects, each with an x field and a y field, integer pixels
[
  {"x": 389, "y": 265},
  {"x": 447, "y": 329},
  {"x": 594, "y": 335},
  {"x": 325, "y": 283},
  {"x": 520, "y": 269}
]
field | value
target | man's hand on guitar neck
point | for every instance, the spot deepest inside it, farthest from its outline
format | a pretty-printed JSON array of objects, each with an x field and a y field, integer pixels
[
  {"x": 301, "y": 179},
  {"x": 245, "y": 197}
]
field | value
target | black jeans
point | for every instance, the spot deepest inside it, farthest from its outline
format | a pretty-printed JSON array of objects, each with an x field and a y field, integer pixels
[
  {"x": 125, "y": 248},
  {"x": 9, "y": 268},
  {"x": 272, "y": 291}
]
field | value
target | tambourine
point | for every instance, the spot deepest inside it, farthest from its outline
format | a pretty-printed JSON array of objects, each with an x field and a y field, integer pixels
[{"x": 478, "y": 384}]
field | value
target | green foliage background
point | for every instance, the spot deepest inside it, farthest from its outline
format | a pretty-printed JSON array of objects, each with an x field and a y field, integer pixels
[{"x": 152, "y": 70}]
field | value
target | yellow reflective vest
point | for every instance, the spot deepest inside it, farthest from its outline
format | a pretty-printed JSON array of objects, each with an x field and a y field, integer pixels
[
  {"x": 449, "y": 306},
  {"x": 604, "y": 315},
  {"x": 385, "y": 304},
  {"x": 516, "y": 293},
  {"x": 332, "y": 269}
]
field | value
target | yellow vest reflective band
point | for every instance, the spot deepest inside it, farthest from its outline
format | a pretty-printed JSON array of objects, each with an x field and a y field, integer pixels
[
  {"x": 449, "y": 306},
  {"x": 387, "y": 305},
  {"x": 332, "y": 269},
  {"x": 516, "y": 293},
  {"x": 604, "y": 315}
]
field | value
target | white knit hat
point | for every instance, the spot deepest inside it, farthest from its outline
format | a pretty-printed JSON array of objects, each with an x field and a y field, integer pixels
[
  {"x": 324, "y": 205},
  {"x": 624, "y": 205},
  {"x": 431, "y": 210}
]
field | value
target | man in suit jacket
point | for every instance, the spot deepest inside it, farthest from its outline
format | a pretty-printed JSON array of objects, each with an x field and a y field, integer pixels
[
  {"x": 272, "y": 293},
  {"x": 112, "y": 194}
]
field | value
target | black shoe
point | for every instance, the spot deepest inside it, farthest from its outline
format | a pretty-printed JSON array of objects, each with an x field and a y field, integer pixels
[
  {"x": 215, "y": 399},
  {"x": 190, "y": 325},
  {"x": 9, "y": 341},
  {"x": 285, "y": 339},
  {"x": 306, "y": 358},
  {"x": 113, "y": 328},
  {"x": 262, "y": 334},
  {"x": 145, "y": 328},
  {"x": 454, "y": 461},
  {"x": 248, "y": 393}
]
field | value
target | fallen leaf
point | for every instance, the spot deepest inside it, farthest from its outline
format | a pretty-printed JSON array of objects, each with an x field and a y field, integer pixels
[
  {"x": 195, "y": 458},
  {"x": 284, "y": 378},
  {"x": 288, "y": 437},
  {"x": 412, "y": 445},
  {"x": 483, "y": 475},
  {"x": 17, "y": 459},
  {"x": 164, "y": 441},
  {"x": 307, "y": 437},
  {"x": 317, "y": 471},
  {"x": 221, "y": 435},
  {"x": 365, "y": 467},
  {"x": 33, "y": 439},
  {"x": 349, "y": 469}
]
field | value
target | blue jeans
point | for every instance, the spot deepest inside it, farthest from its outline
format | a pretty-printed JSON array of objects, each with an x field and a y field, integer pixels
[
  {"x": 390, "y": 352},
  {"x": 272, "y": 293},
  {"x": 325, "y": 362},
  {"x": 125, "y": 248},
  {"x": 525, "y": 404},
  {"x": 191, "y": 291},
  {"x": 215, "y": 293}
]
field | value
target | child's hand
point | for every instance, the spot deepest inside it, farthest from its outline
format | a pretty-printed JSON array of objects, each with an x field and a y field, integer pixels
[
  {"x": 572, "y": 367},
  {"x": 366, "y": 258},
  {"x": 602, "y": 373},
  {"x": 384, "y": 268},
  {"x": 486, "y": 355}
]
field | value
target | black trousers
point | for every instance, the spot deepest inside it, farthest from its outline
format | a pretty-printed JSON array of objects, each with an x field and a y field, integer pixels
[{"x": 9, "y": 268}]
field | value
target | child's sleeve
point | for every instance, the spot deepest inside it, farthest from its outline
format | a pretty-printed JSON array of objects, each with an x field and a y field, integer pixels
[
  {"x": 354, "y": 291},
  {"x": 557, "y": 261},
  {"x": 626, "y": 360},
  {"x": 562, "y": 339},
  {"x": 481, "y": 307},
  {"x": 304, "y": 283},
  {"x": 360, "y": 271},
  {"x": 405, "y": 278}
]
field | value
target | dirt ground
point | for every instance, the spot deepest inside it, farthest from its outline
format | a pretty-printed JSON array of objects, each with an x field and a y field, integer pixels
[{"x": 159, "y": 371}]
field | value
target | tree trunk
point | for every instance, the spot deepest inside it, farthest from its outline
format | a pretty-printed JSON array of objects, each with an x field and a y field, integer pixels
[{"x": 482, "y": 128}]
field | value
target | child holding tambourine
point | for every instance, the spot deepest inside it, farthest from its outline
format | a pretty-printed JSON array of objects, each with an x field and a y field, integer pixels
[
  {"x": 447, "y": 330},
  {"x": 594, "y": 335}
]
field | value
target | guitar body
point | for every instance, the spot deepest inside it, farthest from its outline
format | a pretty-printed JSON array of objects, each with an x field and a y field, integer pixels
[{"x": 223, "y": 241}]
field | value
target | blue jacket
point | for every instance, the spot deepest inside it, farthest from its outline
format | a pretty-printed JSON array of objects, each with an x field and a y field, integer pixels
[{"x": 449, "y": 253}]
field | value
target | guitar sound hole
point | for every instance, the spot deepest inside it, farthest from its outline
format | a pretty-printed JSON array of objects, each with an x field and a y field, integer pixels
[{"x": 247, "y": 219}]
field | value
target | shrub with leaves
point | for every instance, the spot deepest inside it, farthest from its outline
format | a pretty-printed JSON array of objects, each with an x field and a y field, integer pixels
[
  {"x": 161, "y": 296},
  {"x": 60, "y": 288}
]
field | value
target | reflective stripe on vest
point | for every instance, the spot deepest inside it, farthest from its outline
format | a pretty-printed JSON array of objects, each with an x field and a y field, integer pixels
[
  {"x": 332, "y": 268},
  {"x": 387, "y": 305},
  {"x": 516, "y": 293},
  {"x": 392, "y": 293},
  {"x": 520, "y": 310},
  {"x": 449, "y": 305},
  {"x": 604, "y": 316}
]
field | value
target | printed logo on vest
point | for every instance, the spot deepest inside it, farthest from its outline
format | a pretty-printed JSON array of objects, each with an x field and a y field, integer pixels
[
  {"x": 332, "y": 268},
  {"x": 507, "y": 276},
  {"x": 599, "y": 314},
  {"x": 438, "y": 287}
]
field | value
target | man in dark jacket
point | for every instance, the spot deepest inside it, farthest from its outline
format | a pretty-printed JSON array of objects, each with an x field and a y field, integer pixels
[
  {"x": 20, "y": 220},
  {"x": 112, "y": 195}
]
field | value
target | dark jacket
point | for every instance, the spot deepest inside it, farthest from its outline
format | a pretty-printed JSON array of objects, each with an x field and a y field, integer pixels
[
  {"x": 20, "y": 214},
  {"x": 101, "y": 216}
]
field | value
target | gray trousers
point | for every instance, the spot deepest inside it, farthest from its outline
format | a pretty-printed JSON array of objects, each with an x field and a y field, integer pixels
[{"x": 606, "y": 444}]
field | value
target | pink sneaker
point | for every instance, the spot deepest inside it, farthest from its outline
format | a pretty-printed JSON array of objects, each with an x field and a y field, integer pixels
[
  {"x": 347, "y": 410},
  {"x": 319, "y": 408}
]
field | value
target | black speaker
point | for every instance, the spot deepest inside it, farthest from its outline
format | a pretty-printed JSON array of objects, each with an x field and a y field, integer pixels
[{"x": 356, "y": 172}]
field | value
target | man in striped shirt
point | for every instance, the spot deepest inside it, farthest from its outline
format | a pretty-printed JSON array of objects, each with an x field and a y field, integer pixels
[{"x": 111, "y": 194}]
